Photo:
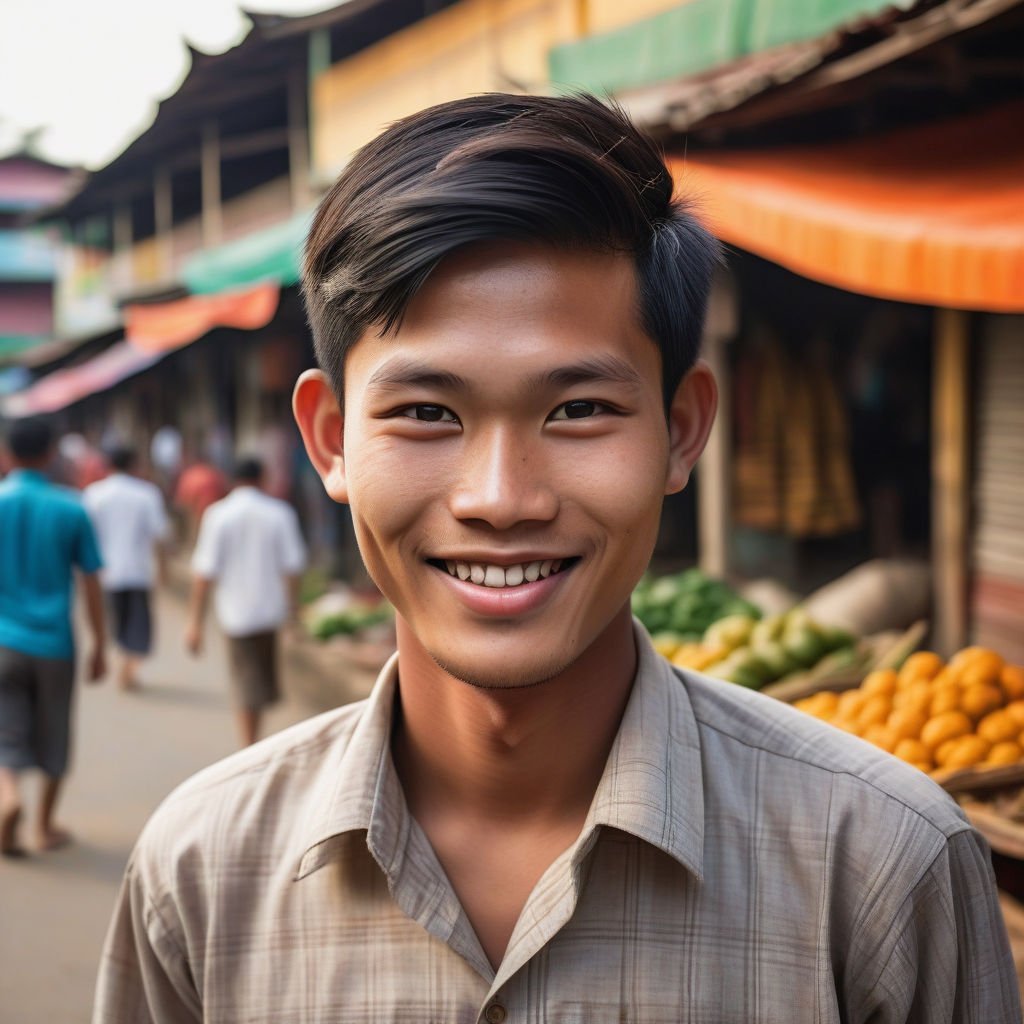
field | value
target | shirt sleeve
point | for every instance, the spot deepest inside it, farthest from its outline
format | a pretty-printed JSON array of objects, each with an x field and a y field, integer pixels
[
  {"x": 943, "y": 957},
  {"x": 87, "y": 552},
  {"x": 144, "y": 975},
  {"x": 206, "y": 559}
]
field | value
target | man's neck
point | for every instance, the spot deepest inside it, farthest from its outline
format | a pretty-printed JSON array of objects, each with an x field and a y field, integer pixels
[
  {"x": 512, "y": 756},
  {"x": 501, "y": 780}
]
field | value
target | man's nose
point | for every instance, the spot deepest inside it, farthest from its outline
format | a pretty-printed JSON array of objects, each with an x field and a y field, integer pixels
[{"x": 503, "y": 480}]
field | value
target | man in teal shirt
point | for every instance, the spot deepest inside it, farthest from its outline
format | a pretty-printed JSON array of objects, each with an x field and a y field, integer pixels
[{"x": 44, "y": 534}]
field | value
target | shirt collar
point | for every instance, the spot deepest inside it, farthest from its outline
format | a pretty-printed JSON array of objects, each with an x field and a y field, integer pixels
[
  {"x": 243, "y": 492},
  {"x": 651, "y": 787},
  {"x": 364, "y": 792},
  {"x": 26, "y": 476}
]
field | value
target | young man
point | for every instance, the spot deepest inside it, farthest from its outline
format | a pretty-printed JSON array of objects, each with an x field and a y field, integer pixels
[
  {"x": 251, "y": 548},
  {"x": 534, "y": 817},
  {"x": 45, "y": 534},
  {"x": 131, "y": 526}
]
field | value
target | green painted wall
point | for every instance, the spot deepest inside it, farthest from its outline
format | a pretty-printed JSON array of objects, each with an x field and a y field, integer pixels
[{"x": 696, "y": 36}]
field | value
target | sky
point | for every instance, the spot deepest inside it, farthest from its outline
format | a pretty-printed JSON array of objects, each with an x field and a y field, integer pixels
[{"x": 89, "y": 73}]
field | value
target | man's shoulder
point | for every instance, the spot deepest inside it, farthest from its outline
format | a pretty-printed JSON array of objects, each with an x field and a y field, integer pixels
[
  {"x": 792, "y": 749},
  {"x": 264, "y": 790},
  {"x": 276, "y": 506},
  {"x": 144, "y": 493},
  {"x": 47, "y": 493},
  {"x": 99, "y": 491},
  {"x": 221, "y": 509}
]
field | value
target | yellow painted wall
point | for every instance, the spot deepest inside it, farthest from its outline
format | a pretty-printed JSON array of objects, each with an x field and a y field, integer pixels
[
  {"x": 605, "y": 15},
  {"x": 473, "y": 47},
  {"x": 147, "y": 262}
]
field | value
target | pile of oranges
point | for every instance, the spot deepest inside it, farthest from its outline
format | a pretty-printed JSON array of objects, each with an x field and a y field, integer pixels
[{"x": 938, "y": 716}]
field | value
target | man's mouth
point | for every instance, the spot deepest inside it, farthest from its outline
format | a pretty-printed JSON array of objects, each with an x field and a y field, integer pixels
[{"x": 487, "y": 574}]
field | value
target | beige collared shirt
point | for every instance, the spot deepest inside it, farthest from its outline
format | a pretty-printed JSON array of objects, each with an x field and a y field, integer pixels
[{"x": 741, "y": 864}]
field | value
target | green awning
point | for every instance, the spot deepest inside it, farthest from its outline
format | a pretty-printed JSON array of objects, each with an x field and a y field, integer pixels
[
  {"x": 14, "y": 344},
  {"x": 696, "y": 36},
  {"x": 273, "y": 254}
]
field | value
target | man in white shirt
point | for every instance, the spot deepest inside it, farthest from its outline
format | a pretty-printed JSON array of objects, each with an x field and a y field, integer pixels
[
  {"x": 250, "y": 544},
  {"x": 131, "y": 526}
]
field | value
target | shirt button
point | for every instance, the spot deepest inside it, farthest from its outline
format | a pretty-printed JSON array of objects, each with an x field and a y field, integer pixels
[{"x": 495, "y": 1014}]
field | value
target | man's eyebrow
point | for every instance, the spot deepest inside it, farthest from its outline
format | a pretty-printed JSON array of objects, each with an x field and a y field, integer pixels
[
  {"x": 407, "y": 373},
  {"x": 410, "y": 373},
  {"x": 606, "y": 369}
]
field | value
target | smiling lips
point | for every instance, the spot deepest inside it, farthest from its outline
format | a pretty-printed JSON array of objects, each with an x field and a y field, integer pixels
[{"x": 501, "y": 576}]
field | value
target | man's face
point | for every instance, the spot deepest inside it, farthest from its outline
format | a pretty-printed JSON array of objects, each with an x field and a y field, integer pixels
[{"x": 512, "y": 432}]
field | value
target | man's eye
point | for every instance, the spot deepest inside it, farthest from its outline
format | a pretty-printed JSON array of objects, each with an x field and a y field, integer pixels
[
  {"x": 429, "y": 413},
  {"x": 578, "y": 409}
]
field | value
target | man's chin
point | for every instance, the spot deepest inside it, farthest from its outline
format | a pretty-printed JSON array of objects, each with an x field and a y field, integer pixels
[{"x": 518, "y": 677}]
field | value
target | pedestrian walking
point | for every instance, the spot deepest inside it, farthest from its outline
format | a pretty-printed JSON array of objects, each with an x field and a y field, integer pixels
[
  {"x": 250, "y": 549},
  {"x": 534, "y": 817},
  {"x": 132, "y": 528},
  {"x": 45, "y": 534}
]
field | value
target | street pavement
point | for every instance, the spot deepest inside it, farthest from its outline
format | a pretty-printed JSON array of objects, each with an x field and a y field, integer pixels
[{"x": 130, "y": 750}]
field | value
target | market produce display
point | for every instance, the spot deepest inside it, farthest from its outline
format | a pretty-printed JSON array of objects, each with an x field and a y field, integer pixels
[
  {"x": 345, "y": 615},
  {"x": 940, "y": 717},
  {"x": 754, "y": 653},
  {"x": 679, "y": 607}
]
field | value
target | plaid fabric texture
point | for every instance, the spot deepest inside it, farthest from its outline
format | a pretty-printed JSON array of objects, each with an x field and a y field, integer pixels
[{"x": 742, "y": 863}]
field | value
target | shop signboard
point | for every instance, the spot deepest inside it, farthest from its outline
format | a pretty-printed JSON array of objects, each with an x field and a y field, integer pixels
[{"x": 84, "y": 300}]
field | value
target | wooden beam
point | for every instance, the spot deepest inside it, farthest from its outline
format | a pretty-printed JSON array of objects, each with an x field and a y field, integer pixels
[
  {"x": 950, "y": 479},
  {"x": 209, "y": 168},
  {"x": 253, "y": 143}
]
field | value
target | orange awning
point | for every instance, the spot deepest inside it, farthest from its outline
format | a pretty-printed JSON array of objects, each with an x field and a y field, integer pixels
[
  {"x": 162, "y": 326},
  {"x": 933, "y": 214}
]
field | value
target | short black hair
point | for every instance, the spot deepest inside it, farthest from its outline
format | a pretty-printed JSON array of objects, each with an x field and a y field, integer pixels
[
  {"x": 569, "y": 171},
  {"x": 248, "y": 469},
  {"x": 122, "y": 457},
  {"x": 29, "y": 439}
]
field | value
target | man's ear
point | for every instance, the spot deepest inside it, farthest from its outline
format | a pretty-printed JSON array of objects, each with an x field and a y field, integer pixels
[
  {"x": 322, "y": 426},
  {"x": 689, "y": 422}
]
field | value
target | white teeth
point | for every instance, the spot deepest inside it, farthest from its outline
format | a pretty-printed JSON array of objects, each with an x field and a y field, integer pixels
[{"x": 497, "y": 576}]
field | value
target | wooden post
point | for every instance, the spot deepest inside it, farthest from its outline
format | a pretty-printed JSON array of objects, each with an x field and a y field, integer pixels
[
  {"x": 582, "y": 18},
  {"x": 713, "y": 470},
  {"x": 298, "y": 139},
  {"x": 318, "y": 60},
  {"x": 950, "y": 478},
  {"x": 163, "y": 219},
  {"x": 209, "y": 170},
  {"x": 713, "y": 474}
]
